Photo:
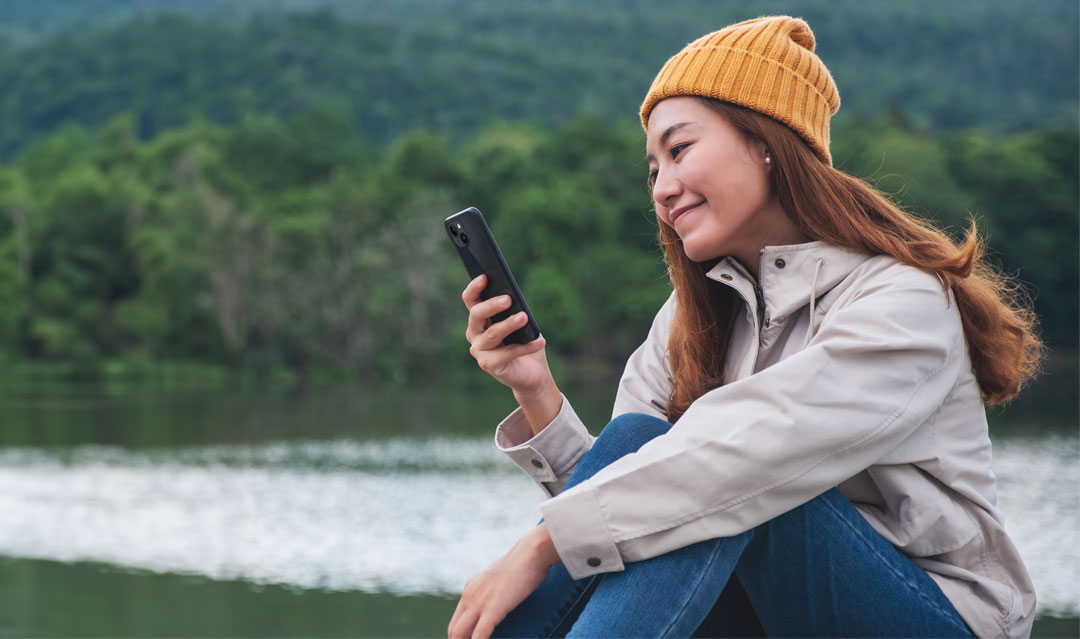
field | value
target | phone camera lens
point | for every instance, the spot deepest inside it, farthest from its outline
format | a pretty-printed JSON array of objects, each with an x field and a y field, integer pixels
[
  {"x": 453, "y": 230},
  {"x": 464, "y": 239}
]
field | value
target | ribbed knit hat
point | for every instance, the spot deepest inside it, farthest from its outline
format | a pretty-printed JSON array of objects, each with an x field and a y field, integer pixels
[{"x": 767, "y": 65}]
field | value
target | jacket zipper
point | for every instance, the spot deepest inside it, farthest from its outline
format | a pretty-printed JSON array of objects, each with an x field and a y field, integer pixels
[
  {"x": 757, "y": 289},
  {"x": 758, "y": 293}
]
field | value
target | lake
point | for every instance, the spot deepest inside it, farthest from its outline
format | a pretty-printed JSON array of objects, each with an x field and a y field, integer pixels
[{"x": 129, "y": 512}]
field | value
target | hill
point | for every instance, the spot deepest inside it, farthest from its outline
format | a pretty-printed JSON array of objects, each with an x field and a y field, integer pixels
[{"x": 455, "y": 66}]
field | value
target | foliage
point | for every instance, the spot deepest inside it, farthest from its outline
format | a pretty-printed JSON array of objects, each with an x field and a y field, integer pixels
[
  {"x": 290, "y": 247},
  {"x": 454, "y": 67}
]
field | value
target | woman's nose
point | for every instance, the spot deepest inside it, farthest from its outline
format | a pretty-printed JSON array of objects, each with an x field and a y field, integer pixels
[{"x": 665, "y": 189}]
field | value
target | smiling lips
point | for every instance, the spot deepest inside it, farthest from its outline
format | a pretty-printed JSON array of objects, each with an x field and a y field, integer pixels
[{"x": 678, "y": 213}]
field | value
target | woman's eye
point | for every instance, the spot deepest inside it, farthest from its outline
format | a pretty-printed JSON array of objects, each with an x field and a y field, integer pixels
[
  {"x": 677, "y": 149},
  {"x": 652, "y": 177}
]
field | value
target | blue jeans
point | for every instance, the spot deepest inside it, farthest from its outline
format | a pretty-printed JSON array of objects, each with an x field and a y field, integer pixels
[{"x": 818, "y": 570}]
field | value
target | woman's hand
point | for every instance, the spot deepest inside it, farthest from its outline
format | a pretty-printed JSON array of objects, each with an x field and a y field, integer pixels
[
  {"x": 492, "y": 593},
  {"x": 522, "y": 367}
]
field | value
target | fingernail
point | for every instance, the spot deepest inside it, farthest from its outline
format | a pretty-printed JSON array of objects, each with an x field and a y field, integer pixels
[
  {"x": 521, "y": 317},
  {"x": 504, "y": 300}
]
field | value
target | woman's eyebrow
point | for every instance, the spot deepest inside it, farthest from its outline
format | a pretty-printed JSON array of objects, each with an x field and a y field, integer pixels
[{"x": 667, "y": 134}]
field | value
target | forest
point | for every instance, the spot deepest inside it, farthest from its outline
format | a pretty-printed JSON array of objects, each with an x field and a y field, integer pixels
[
  {"x": 196, "y": 193},
  {"x": 456, "y": 66}
]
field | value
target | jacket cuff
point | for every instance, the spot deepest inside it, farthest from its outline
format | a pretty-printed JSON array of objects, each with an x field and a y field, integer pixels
[
  {"x": 551, "y": 456},
  {"x": 580, "y": 533}
]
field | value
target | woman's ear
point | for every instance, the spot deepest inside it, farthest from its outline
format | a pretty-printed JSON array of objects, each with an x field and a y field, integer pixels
[{"x": 759, "y": 151}]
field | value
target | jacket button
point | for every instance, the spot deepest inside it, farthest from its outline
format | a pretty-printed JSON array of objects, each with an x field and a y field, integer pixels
[
  {"x": 593, "y": 561},
  {"x": 537, "y": 463},
  {"x": 766, "y": 322},
  {"x": 780, "y": 263},
  {"x": 725, "y": 277}
]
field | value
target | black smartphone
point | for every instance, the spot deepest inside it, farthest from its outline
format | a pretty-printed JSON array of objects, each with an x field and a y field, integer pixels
[{"x": 481, "y": 255}]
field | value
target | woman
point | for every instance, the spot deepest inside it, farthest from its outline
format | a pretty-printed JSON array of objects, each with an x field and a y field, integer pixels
[{"x": 801, "y": 441}]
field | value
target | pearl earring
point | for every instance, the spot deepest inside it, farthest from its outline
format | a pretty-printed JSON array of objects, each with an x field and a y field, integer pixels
[{"x": 768, "y": 160}]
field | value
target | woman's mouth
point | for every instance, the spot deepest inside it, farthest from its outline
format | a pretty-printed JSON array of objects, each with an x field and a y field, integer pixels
[{"x": 679, "y": 214}]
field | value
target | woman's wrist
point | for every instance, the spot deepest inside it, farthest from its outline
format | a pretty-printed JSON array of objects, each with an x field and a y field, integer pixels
[
  {"x": 543, "y": 547},
  {"x": 540, "y": 405}
]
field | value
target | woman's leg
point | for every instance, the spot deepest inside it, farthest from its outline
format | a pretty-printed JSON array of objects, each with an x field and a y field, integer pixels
[
  {"x": 821, "y": 570},
  {"x": 732, "y": 616},
  {"x": 666, "y": 596}
]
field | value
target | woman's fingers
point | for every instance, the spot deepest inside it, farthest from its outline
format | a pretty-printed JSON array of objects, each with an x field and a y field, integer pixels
[
  {"x": 493, "y": 336},
  {"x": 474, "y": 617},
  {"x": 486, "y": 338},
  {"x": 481, "y": 312},
  {"x": 462, "y": 624},
  {"x": 469, "y": 610},
  {"x": 484, "y": 627},
  {"x": 471, "y": 297},
  {"x": 495, "y": 359},
  {"x": 471, "y": 294}
]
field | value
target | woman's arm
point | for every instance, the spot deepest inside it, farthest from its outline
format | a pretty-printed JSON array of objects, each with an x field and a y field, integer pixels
[
  {"x": 646, "y": 382},
  {"x": 546, "y": 454},
  {"x": 522, "y": 367},
  {"x": 546, "y": 439},
  {"x": 491, "y": 594}
]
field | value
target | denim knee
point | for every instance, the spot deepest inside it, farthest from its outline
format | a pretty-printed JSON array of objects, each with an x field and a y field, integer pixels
[
  {"x": 800, "y": 518},
  {"x": 625, "y": 434}
]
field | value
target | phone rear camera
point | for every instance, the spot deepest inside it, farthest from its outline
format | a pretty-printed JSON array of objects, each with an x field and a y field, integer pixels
[
  {"x": 453, "y": 230},
  {"x": 464, "y": 238}
]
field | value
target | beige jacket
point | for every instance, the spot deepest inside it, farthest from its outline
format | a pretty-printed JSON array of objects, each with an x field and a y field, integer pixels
[{"x": 845, "y": 370}]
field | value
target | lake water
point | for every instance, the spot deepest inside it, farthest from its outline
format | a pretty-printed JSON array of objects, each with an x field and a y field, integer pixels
[{"x": 346, "y": 513}]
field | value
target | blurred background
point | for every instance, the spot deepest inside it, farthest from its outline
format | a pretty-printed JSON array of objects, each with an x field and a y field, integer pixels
[{"x": 235, "y": 396}]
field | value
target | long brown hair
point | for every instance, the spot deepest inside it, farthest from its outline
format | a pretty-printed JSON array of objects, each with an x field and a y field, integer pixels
[{"x": 832, "y": 206}]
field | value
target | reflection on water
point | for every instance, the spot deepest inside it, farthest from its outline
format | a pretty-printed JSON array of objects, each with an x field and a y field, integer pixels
[
  {"x": 1039, "y": 493},
  {"x": 401, "y": 515}
]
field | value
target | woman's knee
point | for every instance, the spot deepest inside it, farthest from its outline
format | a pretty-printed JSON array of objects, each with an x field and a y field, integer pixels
[
  {"x": 626, "y": 434},
  {"x": 814, "y": 514},
  {"x": 790, "y": 536}
]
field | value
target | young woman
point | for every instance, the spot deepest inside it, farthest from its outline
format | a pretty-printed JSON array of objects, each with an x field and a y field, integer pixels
[{"x": 800, "y": 442}]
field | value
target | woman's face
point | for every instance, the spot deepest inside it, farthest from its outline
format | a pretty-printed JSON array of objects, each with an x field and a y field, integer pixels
[{"x": 710, "y": 184}]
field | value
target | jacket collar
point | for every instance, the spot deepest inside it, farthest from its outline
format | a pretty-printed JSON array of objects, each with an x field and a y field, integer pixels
[{"x": 789, "y": 276}]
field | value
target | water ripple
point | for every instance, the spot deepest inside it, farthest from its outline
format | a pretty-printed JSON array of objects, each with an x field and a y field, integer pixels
[{"x": 399, "y": 515}]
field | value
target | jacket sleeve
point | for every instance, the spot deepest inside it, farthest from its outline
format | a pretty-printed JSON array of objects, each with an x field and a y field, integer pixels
[
  {"x": 550, "y": 457},
  {"x": 748, "y": 451},
  {"x": 646, "y": 381}
]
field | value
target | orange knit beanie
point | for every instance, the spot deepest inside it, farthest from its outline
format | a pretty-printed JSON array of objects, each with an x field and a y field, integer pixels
[{"x": 767, "y": 65}]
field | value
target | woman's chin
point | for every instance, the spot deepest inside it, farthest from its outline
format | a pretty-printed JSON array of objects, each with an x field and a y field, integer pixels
[{"x": 699, "y": 254}]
